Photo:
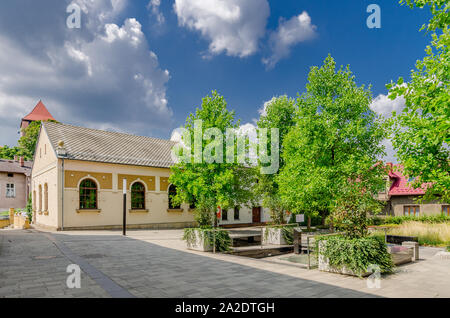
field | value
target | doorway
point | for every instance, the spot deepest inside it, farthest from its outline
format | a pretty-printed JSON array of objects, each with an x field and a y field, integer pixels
[{"x": 256, "y": 215}]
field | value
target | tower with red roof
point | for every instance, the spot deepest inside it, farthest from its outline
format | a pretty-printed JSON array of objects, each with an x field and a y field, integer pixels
[{"x": 39, "y": 112}]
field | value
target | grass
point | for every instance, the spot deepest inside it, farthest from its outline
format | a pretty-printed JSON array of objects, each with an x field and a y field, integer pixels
[
  {"x": 4, "y": 213},
  {"x": 435, "y": 234}
]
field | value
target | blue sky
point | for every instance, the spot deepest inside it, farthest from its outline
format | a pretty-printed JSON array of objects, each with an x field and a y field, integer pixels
[
  {"x": 145, "y": 75},
  {"x": 376, "y": 56}
]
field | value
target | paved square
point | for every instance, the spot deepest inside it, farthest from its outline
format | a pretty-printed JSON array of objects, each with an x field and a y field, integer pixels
[{"x": 155, "y": 263}]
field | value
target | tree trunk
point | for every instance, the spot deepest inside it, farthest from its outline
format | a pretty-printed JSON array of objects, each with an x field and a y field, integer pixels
[{"x": 309, "y": 223}]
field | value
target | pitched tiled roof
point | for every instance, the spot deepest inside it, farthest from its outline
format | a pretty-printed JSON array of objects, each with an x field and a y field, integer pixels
[
  {"x": 12, "y": 166},
  {"x": 400, "y": 183},
  {"x": 111, "y": 147},
  {"x": 39, "y": 112}
]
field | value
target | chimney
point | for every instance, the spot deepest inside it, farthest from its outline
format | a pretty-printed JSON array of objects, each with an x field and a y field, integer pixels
[
  {"x": 15, "y": 158},
  {"x": 22, "y": 162}
]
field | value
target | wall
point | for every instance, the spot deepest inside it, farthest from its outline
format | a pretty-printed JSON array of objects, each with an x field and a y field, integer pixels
[
  {"x": 429, "y": 208},
  {"x": 245, "y": 216},
  {"x": 45, "y": 171},
  {"x": 20, "y": 183},
  {"x": 110, "y": 197}
]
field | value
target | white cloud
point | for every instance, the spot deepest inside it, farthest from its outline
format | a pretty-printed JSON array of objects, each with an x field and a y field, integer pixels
[
  {"x": 263, "y": 110},
  {"x": 232, "y": 26},
  {"x": 288, "y": 34},
  {"x": 390, "y": 152},
  {"x": 103, "y": 75},
  {"x": 154, "y": 7},
  {"x": 384, "y": 106}
]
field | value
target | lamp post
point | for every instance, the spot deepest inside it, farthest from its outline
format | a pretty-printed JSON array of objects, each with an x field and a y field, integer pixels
[{"x": 124, "y": 225}]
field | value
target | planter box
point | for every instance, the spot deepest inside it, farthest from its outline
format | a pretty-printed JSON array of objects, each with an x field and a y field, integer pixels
[
  {"x": 273, "y": 236},
  {"x": 324, "y": 265},
  {"x": 401, "y": 254},
  {"x": 199, "y": 243},
  {"x": 21, "y": 222}
]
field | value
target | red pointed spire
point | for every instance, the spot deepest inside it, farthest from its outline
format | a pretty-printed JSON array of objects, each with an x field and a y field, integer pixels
[{"x": 40, "y": 112}]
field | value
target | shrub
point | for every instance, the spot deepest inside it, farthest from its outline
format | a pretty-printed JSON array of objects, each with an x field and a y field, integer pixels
[
  {"x": 356, "y": 254},
  {"x": 448, "y": 248},
  {"x": 223, "y": 240},
  {"x": 29, "y": 209}
]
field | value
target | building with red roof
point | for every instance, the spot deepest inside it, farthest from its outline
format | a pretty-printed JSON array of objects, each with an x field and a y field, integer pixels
[
  {"x": 401, "y": 197},
  {"x": 39, "y": 112}
]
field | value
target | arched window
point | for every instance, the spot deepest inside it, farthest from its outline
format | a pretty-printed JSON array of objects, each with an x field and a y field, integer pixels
[
  {"x": 88, "y": 194},
  {"x": 46, "y": 197},
  {"x": 172, "y": 193},
  {"x": 40, "y": 198},
  {"x": 34, "y": 200},
  {"x": 138, "y": 196}
]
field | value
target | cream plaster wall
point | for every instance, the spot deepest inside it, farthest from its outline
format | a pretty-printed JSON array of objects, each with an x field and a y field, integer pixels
[
  {"x": 45, "y": 171},
  {"x": 110, "y": 201},
  {"x": 430, "y": 208}
]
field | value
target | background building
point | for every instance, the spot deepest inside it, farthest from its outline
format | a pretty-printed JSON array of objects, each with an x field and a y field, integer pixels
[
  {"x": 401, "y": 199},
  {"x": 39, "y": 112},
  {"x": 14, "y": 183}
]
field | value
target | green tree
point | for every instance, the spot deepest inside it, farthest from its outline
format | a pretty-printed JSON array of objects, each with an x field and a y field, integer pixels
[
  {"x": 334, "y": 147},
  {"x": 211, "y": 184},
  {"x": 278, "y": 113},
  {"x": 27, "y": 143},
  {"x": 7, "y": 152},
  {"x": 421, "y": 132}
]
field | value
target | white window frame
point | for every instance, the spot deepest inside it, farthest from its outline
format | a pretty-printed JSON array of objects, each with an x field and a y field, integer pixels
[{"x": 10, "y": 190}]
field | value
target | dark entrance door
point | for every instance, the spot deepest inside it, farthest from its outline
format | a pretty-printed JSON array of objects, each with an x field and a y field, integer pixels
[{"x": 256, "y": 212}]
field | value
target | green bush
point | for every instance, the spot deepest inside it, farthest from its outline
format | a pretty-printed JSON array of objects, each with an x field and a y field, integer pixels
[
  {"x": 223, "y": 240},
  {"x": 29, "y": 209},
  {"x": 356, "y": 254},
  {"x": 448, "y": 248},
  {"x": 401, "y": 219}
]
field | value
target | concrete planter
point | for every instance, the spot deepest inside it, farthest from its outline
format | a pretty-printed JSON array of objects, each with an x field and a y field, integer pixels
[
  {"x": 324, "y": 264},
  {"x": 199, "y": 244},
  {"x": 399, "y": 254},
  {"x": 273, "y": 236}
]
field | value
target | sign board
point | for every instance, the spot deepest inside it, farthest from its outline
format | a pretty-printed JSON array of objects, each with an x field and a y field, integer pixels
[
  {"x": 300, "y": 218},
  {"x": 219, "y": 212}
]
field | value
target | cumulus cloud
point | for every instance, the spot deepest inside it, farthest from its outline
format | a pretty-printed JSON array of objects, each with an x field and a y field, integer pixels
[
  {"x": 288, "y": 34},
  {"x": 231, "y": 26},
  {"x": 103, "y": 75},
  {"x": 384, "y": 106},
  {"x": 154, "y": 7},
  {"x": 263, "y": 110}
]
